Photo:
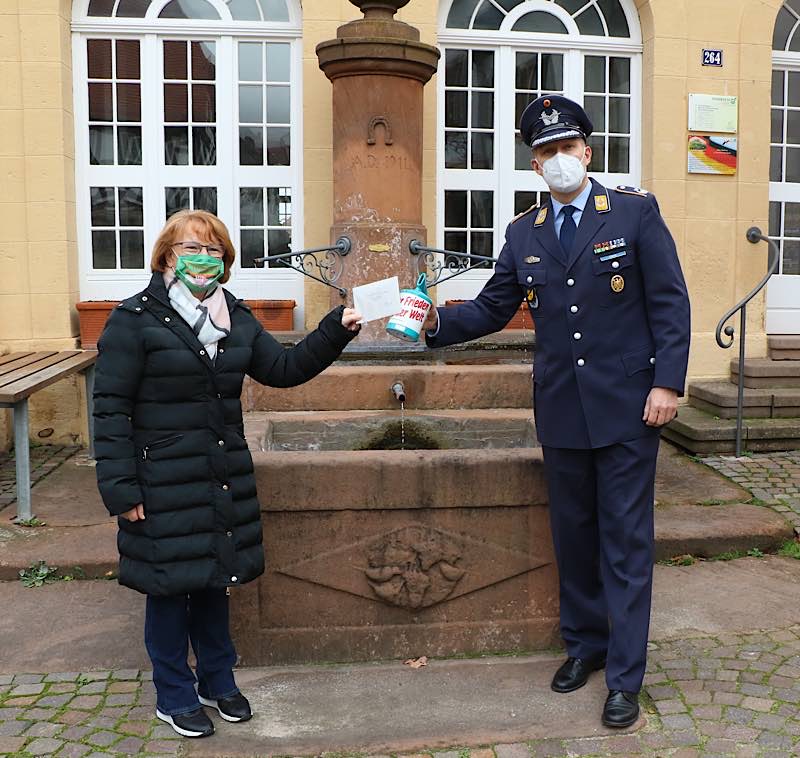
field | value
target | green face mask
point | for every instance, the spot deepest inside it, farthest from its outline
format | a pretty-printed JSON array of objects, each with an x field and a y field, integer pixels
[{"x": 199, "y": 272}]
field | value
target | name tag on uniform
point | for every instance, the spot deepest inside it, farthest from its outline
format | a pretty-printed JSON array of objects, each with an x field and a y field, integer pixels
[{"x": 620, "y": 254}]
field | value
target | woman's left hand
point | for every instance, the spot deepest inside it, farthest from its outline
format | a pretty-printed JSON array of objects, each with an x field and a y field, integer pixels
[{"x": 350, "y": 319}]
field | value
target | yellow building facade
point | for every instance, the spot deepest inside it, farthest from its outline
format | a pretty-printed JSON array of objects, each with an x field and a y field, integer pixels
[{"x": 72, "y": 99}]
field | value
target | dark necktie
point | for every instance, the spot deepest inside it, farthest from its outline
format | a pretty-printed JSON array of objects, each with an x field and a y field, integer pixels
[{"x": 567, "y": 234}]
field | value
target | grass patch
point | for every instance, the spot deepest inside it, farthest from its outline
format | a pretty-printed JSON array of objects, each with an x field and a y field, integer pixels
[
  {"x": 679, "y": 560},
  {"x": 712, "y": 501},
  {"x": 732, "y": 555},
  {"x": 31, "y": 522},
  {"x": 76, "y": 573},
  {"x": 790, "y": 549}
]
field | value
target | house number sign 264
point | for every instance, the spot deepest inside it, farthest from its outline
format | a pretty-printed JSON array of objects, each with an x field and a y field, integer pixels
[{"x": 712, "y": 57}]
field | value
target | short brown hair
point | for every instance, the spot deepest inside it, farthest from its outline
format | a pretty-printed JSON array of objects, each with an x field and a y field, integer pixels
[{"x": 177, "y": 223}]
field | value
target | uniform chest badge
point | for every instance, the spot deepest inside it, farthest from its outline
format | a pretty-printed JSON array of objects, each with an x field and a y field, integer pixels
[
  {"x": 617, "y": 283},
  {"x": 540, "y": 219},
  {"x": 533, "y": 299},
  {"x": 533, "y": 259},
  {"x": 605, "y": 247}
]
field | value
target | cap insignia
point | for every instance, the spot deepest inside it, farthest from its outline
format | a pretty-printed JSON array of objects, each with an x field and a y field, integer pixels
[{"x": 551, "y": 119}]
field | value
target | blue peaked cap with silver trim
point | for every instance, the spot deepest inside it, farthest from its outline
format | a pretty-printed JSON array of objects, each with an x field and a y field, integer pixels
[{"x": 553, "y": 117}]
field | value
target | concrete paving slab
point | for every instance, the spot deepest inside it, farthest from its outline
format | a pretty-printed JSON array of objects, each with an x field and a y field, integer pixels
[
  {"x": 71, "y": 626},
  {"x": 720, "y": 597},
  {"x": 78, "y": 531},
  {"x": 388, "y": 707}
]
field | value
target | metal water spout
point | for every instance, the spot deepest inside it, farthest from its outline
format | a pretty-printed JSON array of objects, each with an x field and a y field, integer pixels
[{"x": 399, "y": 391}]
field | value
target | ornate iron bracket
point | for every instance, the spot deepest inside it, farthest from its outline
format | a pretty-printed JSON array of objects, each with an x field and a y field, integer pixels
[
  {"x": 330, "y": 267},
  {"x": 453, "y": 263},
  {"x": 755, "y": 236}
]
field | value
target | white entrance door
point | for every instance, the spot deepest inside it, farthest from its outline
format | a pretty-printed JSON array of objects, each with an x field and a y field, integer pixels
[
  {"x": 188, "y": 105},
  {"x": 783, "y": 290}
]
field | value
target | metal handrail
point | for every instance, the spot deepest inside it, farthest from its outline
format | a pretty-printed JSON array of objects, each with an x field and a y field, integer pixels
[
  {"x": 330, "y": 269},
  {"x": 427, "y": 259},
  {"x": 754, "y": 235}
]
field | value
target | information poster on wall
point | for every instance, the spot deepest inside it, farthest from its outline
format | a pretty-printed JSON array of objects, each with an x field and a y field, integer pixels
[
  {"x": 712, "y": 155},
  {"x": 713, "y": 113}
]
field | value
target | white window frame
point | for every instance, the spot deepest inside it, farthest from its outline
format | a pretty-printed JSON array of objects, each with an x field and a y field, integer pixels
[
  {"x": 153, "y": 176},
  {"x": 506, "y": 44},
  {"x": 783, "y": 290}
]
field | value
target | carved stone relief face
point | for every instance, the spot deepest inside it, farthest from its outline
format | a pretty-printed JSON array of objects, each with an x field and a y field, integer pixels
[{"x": 414, "y": 567}]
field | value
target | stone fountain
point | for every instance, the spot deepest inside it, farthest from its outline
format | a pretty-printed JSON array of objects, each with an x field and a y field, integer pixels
[
  {"x": 378, "y": 69},
  {"x": 373, "y": 552}
]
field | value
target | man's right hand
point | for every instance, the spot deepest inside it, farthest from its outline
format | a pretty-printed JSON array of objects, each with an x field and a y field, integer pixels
[
  {"x": 134, "y": 514},
  {"x": 431, "y": 320}
]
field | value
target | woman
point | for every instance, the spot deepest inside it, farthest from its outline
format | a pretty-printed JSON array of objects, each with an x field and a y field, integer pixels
[{"x": 173, "y": 462}]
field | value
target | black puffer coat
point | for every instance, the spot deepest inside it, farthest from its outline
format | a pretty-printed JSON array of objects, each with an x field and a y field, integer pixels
[{"x": 169, "y": 434}]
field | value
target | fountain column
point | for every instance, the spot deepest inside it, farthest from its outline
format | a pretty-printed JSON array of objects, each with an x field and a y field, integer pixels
[{"x": 378, "y": 68}]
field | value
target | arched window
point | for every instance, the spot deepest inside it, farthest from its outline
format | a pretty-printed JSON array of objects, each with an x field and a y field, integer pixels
[
  {"x": 783, "y": 293},
  {"x": 497, "y": 56},
  {"x": 186, "y": 104}
]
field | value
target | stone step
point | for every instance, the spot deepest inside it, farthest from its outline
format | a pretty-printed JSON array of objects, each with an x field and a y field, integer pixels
[
  {"x": 391, "y": 430},
  {"x": 705, "y": 531},
  {"x": 762, "y": 373},
  {"x": 784, "y": 347},
  {"x": 719, "y": 399},
  {"x": 700, "y": 432},
  {"x": 79, "y": 532},
  {"x": 427, "y": 387},
  {"x": 506, "y": 346}
]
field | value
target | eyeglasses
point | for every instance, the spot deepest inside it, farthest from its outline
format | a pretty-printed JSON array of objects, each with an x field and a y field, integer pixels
[{"x": 195, "y": 248}]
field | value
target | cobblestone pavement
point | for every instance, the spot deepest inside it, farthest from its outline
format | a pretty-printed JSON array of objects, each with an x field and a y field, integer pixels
[
  {"x": 44, "y": 459},
  {"x": 737, "y": 695},
  {"x": 772, "y": 478}
]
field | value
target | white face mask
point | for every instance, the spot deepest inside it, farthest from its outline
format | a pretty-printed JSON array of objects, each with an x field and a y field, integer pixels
[{"x": 564, "y": 173}]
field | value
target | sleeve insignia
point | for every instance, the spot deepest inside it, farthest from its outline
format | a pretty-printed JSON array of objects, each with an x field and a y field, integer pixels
[{"x": 631, "y": 190}]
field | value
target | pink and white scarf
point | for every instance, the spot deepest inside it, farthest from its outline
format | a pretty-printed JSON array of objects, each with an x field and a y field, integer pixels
[{"x": 209, "y": 318}]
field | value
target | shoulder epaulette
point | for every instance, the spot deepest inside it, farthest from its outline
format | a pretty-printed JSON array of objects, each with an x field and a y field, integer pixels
[
  {"x": 631, "y": 190},
  {"x": 525, "y": 213}
]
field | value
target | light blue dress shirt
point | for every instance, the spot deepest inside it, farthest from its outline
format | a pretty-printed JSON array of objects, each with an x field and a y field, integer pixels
[{"x": 579, "y": 203}]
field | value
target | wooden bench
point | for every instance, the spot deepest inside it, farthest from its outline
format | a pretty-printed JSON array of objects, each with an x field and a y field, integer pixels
[{"x": 22, "y": 374}]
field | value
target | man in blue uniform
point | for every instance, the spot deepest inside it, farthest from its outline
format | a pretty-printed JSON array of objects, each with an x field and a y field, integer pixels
[{"x": 600, "y": 273}]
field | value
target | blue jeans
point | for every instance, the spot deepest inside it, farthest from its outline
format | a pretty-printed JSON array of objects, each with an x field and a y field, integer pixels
[{"x": 170, "y": 624}]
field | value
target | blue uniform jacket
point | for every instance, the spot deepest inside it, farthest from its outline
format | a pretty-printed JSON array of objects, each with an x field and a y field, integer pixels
[{"x": 612, "y": 317}]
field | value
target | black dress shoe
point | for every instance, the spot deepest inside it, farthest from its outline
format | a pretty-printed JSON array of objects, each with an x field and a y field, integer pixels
[
  {"x": 194, "y": 724},
  {"x": 621, "y": 709},
  {"x": 574, "y": 673},
  {"x": 233, "y": 708}
]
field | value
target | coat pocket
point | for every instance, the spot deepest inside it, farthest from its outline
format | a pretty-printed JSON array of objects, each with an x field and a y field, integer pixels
[
  {"x": 159, "y": 444},
  {"x": 642, "y": 359}
]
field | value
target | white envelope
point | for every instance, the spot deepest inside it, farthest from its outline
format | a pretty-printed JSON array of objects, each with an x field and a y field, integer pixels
[{"x": 377, "y": 299}]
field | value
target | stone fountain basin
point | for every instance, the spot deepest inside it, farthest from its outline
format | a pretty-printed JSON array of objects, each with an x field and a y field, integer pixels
[
  {"x": 392, "y": 430},
  {"x": 382, "y": 554}
]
